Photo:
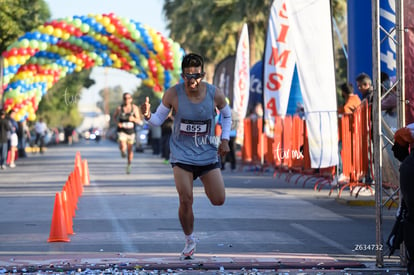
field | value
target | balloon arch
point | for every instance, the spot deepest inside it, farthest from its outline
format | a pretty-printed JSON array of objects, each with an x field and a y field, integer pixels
[{"x": 38, "y": 59}]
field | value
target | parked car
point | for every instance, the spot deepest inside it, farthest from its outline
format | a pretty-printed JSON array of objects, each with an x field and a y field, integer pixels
[
  {"x": 142, "y": 139},
  {"x": 93, "y": 134}
]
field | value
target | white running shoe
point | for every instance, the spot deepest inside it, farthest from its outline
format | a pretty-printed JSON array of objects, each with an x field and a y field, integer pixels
[{"x": 189, "y": 249}]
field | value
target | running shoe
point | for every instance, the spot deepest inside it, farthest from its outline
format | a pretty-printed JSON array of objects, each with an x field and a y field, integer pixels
[
  {"x": 12, "y": 165},
  {"x": 128, "y": 169},
  {"x": 189, "y": 249}
]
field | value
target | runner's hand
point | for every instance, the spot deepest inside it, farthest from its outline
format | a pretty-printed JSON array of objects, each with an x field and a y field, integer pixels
[{"x": 223, "y": 148}]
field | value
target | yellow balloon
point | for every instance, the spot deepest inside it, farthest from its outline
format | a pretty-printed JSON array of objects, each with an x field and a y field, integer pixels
[
  {"x": 31, "y": 117},
  {"x": 117, "y": 64},
  {"x": 49, "y": 30},
  {"x": 110, "y": 28},
  {"x": 113, "y": 56},
  {"x": 104, "y": 40},
  {"x": 158, "y": 46},
  {"x": 106, "y": 21},
  {"x": 12, "y": 61},
  {"x": 58, "y": 33},
  {"x": 65, "y": 36}
]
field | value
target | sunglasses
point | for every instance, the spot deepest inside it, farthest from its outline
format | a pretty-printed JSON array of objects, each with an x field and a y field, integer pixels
[{"x": 195, "y": 76}]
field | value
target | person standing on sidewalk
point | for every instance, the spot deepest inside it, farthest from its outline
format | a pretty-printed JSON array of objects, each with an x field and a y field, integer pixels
[
  {"x": 404, "y": 139},
  {"x": 4, "y": 133},
  {"x": 127, "y": 115},
  {"x": 41, "y": 131},
  {"x": 194, "y": 147},
  {"x": 14, "y": 139}
]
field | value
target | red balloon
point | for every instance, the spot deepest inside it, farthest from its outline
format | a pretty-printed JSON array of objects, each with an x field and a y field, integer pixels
[
  {"x": 70, "y": 29},
  {"x": 13, "y": 52}
]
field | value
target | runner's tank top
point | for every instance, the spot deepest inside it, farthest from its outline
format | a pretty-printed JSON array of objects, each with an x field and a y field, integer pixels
[
  {"x": 193, "y": 140},
  {"x": 128, "y": 127}
]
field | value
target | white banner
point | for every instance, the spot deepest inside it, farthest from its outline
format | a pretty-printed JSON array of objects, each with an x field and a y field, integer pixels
[
  {"x": 311, "y": 31},
  {"x": 279, "y": 63},
  {"x": 242, "y": 81},
  {"x": 299, "y": 32}
]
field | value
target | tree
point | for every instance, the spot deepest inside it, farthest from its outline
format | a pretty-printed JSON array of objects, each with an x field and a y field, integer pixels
[
  {"x": 20, "y": 16},
  {"x": 111, "y": 99},
  {"x": 217, "y": 37},
  {"x": 59, "y": 106}
]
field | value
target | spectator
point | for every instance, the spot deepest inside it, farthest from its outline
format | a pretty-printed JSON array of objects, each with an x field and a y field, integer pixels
[
  {"x": 352, "y": 100},
  {"x": 4, "y": 137},
  {"x": 364, "y": 83},
  {"x": 13, "y": 139},
  {"x": 166, "y": 131},
  {"x": 156, "y": 139},
  {"x": 41, "y": 131},
  {"x": 23, "y": 134},
  {"x": 68, "y": 131},
  {"x": 404, "y": 138}
]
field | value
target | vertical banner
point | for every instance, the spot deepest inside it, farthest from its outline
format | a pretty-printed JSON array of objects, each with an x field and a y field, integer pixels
[
  {"x": 256, "y": 85},
  {"x": 279, "y": 63},
  {"x": 388, "y": 47},
  {"x": 409, "y": 60},
  {"x": 311, "y": 32},
  {"x": 224, "y": 76},
  {"x": 241, "y": 81},
  {"x": 359, "y": 40}
]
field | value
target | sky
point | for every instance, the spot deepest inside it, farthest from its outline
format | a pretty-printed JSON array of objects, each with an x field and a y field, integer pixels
[{"x": 148, "y": 12}]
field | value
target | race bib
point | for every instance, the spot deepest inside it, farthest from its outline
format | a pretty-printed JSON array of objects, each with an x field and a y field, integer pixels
[
  {"x": 127, "y": 125},
  {"x": 194, "y": 127}
]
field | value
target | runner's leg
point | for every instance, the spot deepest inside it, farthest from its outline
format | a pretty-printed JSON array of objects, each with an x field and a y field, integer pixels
[
  {"x": 214, "y": 186},
  {"x": 184, "y": 185}
]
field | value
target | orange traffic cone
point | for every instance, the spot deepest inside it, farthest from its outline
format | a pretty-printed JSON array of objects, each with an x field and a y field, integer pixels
[
  {"x": 78, "y": 160},
  {"x": 85, "y": 173},
  {"x": 58, "y": 228},
  {"x": 73, "y": 193},
  {"x": 68, "y": 214},
  {"x": 78, "y": 179}
]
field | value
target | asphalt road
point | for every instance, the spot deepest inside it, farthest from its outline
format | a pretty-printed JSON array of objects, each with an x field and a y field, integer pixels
[{"x": 137, "y": 213}]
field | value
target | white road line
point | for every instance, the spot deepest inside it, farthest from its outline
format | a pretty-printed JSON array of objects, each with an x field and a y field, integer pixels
[{"x": 321, "y": 238}]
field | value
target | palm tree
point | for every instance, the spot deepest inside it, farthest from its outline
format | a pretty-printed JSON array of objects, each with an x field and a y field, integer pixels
[{"x": 213, "y": 27}]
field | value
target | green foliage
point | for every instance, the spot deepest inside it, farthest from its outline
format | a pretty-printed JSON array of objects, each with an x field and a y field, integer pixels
[
  {"x": 20, "y": 16},
  {"x": 59, "y": 106},
  {"x": 111, "y": 99},
  {"x": 217, "y": 37}
]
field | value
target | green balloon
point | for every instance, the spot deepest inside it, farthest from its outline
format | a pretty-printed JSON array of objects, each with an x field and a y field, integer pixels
[
  {"x": 34, "y": 44},
  {"x": 24, "y": 43},
  {"x": 84, "y": 28},
  {"x": 43, "y": 46},
  {"x": 77, "y": 23}
]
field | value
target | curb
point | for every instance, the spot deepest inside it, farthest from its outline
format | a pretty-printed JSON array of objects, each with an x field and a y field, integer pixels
[
  {"x": 152, "y": 261},
  {"x": 365, "y": 202}
]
